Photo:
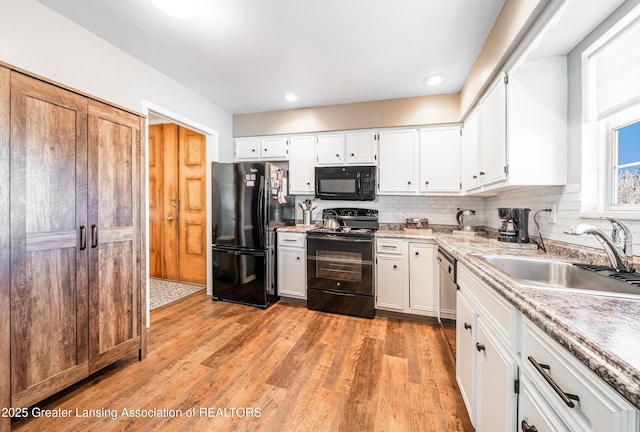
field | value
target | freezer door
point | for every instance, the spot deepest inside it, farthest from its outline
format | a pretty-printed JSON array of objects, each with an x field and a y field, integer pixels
[{"x": 240, "y": 276}]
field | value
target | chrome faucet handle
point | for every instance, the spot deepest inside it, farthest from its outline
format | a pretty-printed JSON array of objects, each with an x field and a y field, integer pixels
[{"x": 621, "y": 236}]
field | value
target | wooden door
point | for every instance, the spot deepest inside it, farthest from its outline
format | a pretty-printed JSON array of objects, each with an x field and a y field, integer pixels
[
  {"x": 192, "y": 216},
  {"x": 177, "y": 204},
  {"x": 163, "y": 201},
  {"x": 48, "y": 258},
  {"x": 114, "y": 235},
  {"x": 5, "y": 276}
]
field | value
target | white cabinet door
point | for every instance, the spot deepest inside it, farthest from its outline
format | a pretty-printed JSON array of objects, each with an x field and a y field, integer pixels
[
  {"x": 496, "y": 374},
  {"x": 493, "y": 132},
  {"x": 274, "y": 148},
  {"x": 330, "y": 149},
  {"x": 465, "y": 341},
  {"x": 390, "y": 282},
  {"x": 470, "y": 151},
  {"x": 423, "y": 283},
  {"x": 247, "y": 148},
  {"x": 292, "y": 279},
  {"x": 361, "y": 148},
  {"x": 398, "y": 161},
  {"x": 440, "y": 159},
  {"x": 302, "y": 165}
]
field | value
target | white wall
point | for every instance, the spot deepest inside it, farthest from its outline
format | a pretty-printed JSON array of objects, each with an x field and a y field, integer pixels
[
  {"x": 568, "y": 198},
  {"x": 40, "y": 41}
]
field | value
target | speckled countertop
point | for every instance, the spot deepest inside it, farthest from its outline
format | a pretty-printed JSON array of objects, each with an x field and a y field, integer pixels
[{"x": 603, "y": 333}]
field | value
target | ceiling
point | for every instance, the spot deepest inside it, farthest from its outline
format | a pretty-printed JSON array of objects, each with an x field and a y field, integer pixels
[{"x": 244, "y": 55}]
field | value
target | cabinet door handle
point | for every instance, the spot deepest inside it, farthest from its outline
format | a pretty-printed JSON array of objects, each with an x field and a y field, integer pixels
[
  {"x": 408, "y": 182},
  {"x": 395, "y": 266},
  {"x": 480, "y": 347},
  {"x": 83, "y": 237},
  {"x": 481, "y": 173},
  {"x": 352, "y": 154},
  {"x": 427, "y": 183},
  {"x": 417, "y": 253},
  {"x": 297, "y": 258},
  {"x": 567, "y": 398},
  {"x": 475, "y": 177},
  {"x": 337, "y": 155},
  {"x": 467, "y": 326},
  {"x": 94, "y": 236},
  {"x": 527, "y": 428}
]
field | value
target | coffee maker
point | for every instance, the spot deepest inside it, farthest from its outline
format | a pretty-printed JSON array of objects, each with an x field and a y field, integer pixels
[{"x": 514, "y": 225}]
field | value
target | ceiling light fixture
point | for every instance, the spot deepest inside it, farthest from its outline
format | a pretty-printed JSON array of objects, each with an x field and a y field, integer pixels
[
  {"x": 180, "y": 9},
  {"x": 290, "y": 97},
  {"x": 433, "y": 80}
]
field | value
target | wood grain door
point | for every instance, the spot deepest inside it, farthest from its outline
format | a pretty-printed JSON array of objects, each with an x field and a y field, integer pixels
[
  {"x": 114, "y": 235},
  {"x": 192, "y": 233},
  {"x": 48, "y": 258},
  {"x": 177, "y": 203},
  {"x": 163, "y": 201}
]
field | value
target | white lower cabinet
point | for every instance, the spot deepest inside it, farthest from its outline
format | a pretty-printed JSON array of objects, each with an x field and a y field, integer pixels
[
  {"x": 578, "y": 398},
  {"x": 406, "y": 277},
  {"x": 513, "y": 376},
  {"x": 292, "y": 265},
  {"x": 486, "y": 368},
  {"x": 496, "y": 378}
]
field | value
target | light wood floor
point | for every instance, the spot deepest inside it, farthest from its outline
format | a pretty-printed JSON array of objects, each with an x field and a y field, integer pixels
[{"x": 298, "y": 369}]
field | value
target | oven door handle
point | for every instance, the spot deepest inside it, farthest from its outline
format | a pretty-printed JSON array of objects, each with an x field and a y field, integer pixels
[
  {"x": 339, "y": 238},
  {"x": 339, "y": 293}
]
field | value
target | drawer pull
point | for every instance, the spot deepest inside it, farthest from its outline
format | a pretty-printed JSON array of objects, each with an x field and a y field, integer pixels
[
  {"x": 567, "y": 398},
  {"x": 290, "y": 240},
  {"x": 467, "y": 326},
  {"x": 527, "y": 428},
  {"x": 480, "y": 347},
  {"x": 388, "y": 246}
]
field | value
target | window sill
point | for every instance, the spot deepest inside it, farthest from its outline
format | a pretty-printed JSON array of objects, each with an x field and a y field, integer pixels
[{"x": 622, "y": 215}]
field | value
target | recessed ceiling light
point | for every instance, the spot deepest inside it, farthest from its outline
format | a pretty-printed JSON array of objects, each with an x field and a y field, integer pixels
[
  {"x": 433, "y": 80},
  {"x": 290, "y": 97},
  {"x": 180, "y": 9}
]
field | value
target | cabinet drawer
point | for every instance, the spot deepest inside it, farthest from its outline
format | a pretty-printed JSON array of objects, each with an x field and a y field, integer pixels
[
  {"x": 390, "y": 246},
  {"x": 494, "y": 308},
  {"x": 597, "y": 407},
  {"x": 292, "y": 239}
]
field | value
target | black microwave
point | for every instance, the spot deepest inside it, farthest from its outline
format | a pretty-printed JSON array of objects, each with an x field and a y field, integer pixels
[{"x": 356, "y": 183}]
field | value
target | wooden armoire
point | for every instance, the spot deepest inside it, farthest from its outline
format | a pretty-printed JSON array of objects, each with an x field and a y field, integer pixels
[{"x": 71, "y": 241}]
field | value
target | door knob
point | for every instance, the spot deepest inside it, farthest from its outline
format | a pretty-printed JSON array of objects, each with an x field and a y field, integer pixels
[{"x": 169, "y": 218}]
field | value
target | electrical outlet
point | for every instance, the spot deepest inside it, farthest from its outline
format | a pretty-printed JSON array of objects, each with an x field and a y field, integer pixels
[{"x": 553, "y": 217}]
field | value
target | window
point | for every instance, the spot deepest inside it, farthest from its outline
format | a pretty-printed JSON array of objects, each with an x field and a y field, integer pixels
[
  {"x": 610, "y": 179},
  {"x": 626, "y": 169}
]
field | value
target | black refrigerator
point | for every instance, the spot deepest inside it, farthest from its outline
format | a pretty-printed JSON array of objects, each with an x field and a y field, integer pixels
[{"x": 250, "y": 200}]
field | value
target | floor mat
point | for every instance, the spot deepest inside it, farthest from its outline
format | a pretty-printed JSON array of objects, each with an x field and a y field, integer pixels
[{"x": 163, "y": 291}]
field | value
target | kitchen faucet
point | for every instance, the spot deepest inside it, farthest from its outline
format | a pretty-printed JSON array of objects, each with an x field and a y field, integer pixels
[{"x": 618, "y": 248}]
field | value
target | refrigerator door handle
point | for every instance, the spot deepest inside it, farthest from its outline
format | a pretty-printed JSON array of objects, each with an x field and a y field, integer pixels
[{"x": 261, "y": 220}]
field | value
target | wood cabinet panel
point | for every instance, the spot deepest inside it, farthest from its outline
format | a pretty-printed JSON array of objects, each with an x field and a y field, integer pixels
[
  {"x": 48, "y": 267},
  {"x": 114, "y": 272},
  {"x": 5, "y": 279}
]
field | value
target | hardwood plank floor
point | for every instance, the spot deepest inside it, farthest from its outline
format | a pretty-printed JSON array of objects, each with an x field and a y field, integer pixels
[{"x": 238, "y": 368}]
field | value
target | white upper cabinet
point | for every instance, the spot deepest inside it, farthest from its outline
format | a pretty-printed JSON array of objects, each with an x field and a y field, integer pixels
[
  {"x": 248, "y": 148},
  {"x": 330, "y": 149},
  {"x": 354, "y": 148},
  {"x": 302, "y": 164},
  {"x": 361, "y": 148},
  {"x": 493, "y": 135},
  {"x": 517, "y": 136},
  {"x": 398, "y": 173},
  {"x": 440, "y": 159},
  {"x": 470, "y": 151},
  {"x": 265, "y": 148}
]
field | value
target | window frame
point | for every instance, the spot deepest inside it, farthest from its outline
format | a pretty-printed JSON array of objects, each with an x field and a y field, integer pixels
[{"x": 614, "y": 123}]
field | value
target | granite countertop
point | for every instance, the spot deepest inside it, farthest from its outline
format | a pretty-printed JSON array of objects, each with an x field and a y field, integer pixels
[{"x": 601, "y": 332}]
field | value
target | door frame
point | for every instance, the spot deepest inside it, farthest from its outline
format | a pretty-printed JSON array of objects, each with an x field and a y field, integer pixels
[{"x": 212, "y": 143}]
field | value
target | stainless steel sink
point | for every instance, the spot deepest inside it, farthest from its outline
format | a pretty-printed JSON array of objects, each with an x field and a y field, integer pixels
[{"x": 559, "y": 275}]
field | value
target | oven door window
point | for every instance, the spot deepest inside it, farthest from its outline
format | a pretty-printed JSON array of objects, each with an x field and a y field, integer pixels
[{"x": 343, "y": 265}]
